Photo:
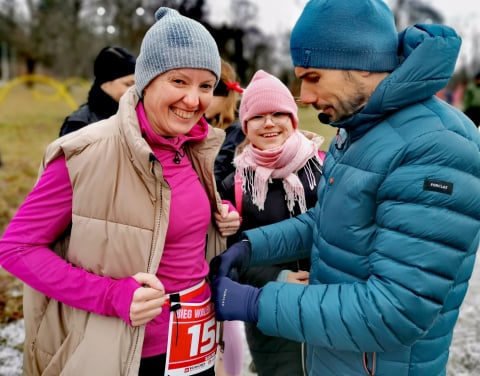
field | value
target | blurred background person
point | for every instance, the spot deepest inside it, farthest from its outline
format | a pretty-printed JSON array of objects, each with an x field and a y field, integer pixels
[
  {"x": 113, "y": 69},
  {"x": 223, "y": 113},
  {"x": 471, "y": 100}
]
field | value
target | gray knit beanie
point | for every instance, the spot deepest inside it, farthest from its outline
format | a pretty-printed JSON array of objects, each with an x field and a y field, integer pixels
[
  {"x": 345, "y": 34},
  {"x": 175, "y": 41}
]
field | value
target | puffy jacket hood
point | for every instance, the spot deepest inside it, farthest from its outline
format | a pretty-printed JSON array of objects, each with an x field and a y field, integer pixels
[{"x": 427, "y": 60}]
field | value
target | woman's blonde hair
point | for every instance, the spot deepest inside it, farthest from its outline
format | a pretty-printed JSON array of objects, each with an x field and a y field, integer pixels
[{"x": 228, "y": 113}]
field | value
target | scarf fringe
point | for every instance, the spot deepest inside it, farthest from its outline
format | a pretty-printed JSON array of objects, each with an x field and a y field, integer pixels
[{"x": 257, "y": 168}]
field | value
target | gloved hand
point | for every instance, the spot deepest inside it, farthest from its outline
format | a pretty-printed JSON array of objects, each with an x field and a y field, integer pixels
[
  {"x": 234, "y": 301},
  {"x": 231, "y": 263}
]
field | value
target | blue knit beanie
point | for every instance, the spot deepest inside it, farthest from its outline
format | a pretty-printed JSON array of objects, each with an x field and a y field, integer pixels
[
  {"x": 175, "y": 41},
  {"x": 345, "y": 34}
]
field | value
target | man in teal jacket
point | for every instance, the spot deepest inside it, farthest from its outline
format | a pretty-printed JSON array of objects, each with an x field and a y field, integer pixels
[{"x": 395, "y": 232}]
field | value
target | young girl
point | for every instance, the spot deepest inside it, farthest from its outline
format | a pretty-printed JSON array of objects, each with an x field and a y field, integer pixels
[{"x": 276, "y": 178}]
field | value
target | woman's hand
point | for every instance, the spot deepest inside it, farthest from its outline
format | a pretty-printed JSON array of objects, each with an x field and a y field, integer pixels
[
  {"x": 298, "y": 277},
  {"x": 148, "y": 300},
  {"x": 228, "y": 222}
]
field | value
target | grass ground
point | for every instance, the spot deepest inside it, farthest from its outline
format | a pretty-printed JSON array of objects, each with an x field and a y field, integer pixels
[{"x": 29, "y": 121}]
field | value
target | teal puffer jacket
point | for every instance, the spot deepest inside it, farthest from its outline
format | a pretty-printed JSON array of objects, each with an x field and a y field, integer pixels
[{"x": 395, "y": 231}]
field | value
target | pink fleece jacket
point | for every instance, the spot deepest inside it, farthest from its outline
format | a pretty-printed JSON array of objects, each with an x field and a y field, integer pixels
[{"x": 46, "y": 212}]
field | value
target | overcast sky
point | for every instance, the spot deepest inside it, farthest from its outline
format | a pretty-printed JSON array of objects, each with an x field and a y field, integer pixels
[{"x": 278, "y": 15}]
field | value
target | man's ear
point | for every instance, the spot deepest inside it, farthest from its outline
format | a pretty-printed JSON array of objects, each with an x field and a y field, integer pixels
[{"x": 372, "y": 79}]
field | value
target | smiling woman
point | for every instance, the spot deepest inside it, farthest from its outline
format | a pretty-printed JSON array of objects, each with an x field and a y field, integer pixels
[
  {"x": 137, "y": 191},
  {"x": 175, "y": 101}
]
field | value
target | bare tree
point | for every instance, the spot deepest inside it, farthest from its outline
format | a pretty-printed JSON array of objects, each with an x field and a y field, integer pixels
[
  {"x": 408, "y": 12},
  {"x": 49, "y": 34},
  {"x": 62, "y": 37}
]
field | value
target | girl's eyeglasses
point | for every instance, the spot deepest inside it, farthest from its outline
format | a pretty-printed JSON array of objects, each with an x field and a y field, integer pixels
[{"x": 277, "y": 118}]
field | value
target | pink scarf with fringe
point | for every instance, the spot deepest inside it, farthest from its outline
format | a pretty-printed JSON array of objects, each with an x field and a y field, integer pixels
[{"x": 256, "y": 167}]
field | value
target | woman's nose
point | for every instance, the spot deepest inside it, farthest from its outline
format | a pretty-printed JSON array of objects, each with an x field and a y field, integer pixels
[{"x": 192, "y": 98}]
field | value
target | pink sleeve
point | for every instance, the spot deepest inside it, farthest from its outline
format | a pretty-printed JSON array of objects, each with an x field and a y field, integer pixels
[
  {"x": 233, "y": 353},
  {"x": 25, "y": 252},
  {"x": 230, "y": 205}
]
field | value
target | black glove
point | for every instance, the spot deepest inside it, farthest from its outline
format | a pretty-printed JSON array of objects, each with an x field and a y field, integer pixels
[
  {"x": 234, "y": 301},
  {"x": 232, "y": 263}
]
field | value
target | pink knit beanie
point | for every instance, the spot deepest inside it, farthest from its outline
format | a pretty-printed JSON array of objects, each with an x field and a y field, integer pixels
[{"x": 266, "y": 94}]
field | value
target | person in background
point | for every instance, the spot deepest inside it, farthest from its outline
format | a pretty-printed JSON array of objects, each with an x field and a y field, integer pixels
[
  {"x": 113, "y": 69},
  {"x": 222, "y": 113},
  {"x": 276, "y": 178},
  {"x": 471, "y": 100},
  {"x": 125, "y": 292},
  {"x": 394, "y": 235}
]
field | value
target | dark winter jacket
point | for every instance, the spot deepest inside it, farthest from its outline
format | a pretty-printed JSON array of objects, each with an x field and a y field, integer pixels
[
  {"x": 100, "y": 106},
  {"x": 394, "y": 234},
  {"x": 224, "y": 162}
]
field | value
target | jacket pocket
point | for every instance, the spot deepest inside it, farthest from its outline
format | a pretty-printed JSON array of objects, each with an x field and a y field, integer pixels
[{"x": 55, "y": 340}]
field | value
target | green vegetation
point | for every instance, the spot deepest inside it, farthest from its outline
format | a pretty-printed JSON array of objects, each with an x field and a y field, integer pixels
[
  {"x": 29, "y": 120},
  {"x": 308, "y": 120}
]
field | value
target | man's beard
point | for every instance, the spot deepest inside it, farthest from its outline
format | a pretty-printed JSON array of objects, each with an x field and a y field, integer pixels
[{"x": 352, "y": 107}]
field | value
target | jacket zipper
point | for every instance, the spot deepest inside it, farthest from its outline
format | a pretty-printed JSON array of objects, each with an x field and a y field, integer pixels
[{"x": 158, "y": 210}]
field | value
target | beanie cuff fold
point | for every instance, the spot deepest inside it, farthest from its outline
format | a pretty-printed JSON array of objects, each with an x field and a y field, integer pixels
[
  {"x": 371, "y": 61},
  {"x": 345, "y": 35}
]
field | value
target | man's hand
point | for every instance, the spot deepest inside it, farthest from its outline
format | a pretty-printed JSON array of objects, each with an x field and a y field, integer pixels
[
  {"x": 227, "y": 222},
  {"x": 147, "y": 301},
  {"x": 234, "y": 301},
  {"x": 232, "y": 263}
]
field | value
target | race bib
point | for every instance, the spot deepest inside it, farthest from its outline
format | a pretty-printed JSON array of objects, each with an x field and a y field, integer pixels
[{"x": 192, "y": 339}]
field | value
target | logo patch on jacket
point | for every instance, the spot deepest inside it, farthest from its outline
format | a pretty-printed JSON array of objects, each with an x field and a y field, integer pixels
[{"x": 438, "y": 186}]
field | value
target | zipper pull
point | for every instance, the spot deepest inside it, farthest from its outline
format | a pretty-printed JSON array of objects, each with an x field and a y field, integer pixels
[{"x": 339, "y": 141}]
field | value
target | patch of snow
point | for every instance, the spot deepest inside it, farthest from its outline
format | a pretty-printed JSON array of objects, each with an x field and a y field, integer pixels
[{"x": 11, "y": 343}]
